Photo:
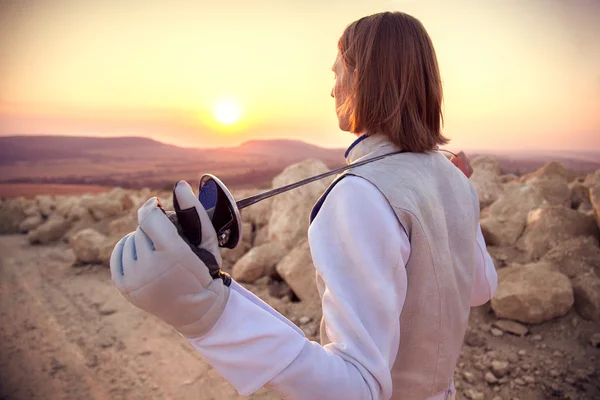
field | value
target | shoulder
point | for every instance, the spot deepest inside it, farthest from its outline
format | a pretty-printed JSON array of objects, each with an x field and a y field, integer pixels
[{"x": 357, "y": 190}]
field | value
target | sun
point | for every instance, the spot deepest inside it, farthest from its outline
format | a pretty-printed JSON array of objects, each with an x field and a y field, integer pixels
[{"x": 227, "y": 112}]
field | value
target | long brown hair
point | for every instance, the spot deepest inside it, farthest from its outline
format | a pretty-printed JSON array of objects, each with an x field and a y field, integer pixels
[{"x": 398, "y": 89}]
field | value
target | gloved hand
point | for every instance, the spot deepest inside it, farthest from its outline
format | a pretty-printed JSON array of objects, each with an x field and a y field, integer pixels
[{"x": 175, "y": 278}]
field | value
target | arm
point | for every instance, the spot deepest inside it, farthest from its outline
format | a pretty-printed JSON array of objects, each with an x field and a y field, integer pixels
[
  {"x": 486, "y": 279},
  {"x": 362, "y": 266}
]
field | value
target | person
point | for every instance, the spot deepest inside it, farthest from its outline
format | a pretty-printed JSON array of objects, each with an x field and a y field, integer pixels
[{"x": 396, "y": 243}]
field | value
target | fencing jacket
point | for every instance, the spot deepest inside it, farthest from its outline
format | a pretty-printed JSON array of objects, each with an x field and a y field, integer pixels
[{"x": 389, "y": 330}]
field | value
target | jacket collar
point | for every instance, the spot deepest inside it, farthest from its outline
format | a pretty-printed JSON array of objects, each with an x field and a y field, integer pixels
[{"x": 367, "y": 144}]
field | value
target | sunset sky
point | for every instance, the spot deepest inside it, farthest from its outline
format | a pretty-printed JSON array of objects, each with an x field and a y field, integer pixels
[{"x": 516, "y": 74}]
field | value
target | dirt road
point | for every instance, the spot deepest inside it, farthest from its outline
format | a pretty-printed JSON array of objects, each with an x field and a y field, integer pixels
[{"x": 66, "y": 333}]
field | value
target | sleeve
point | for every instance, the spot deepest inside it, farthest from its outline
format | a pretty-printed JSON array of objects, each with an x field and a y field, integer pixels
[
  {"x": 360, "y": 250},
  {"x": 486, "y": 278}
]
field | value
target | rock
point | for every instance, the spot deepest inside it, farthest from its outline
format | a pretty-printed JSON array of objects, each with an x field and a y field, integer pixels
[
  {"x": 262, "y": 236},
  {"x": 580, "y": 194},
  {"x": 595, "y": 340},
  {"x": 486, "y": 163},
  {"x": 473, "y": 394},
  {"x": 504, "y": 221},
  {"x": 496, "y": 332},
  {"x": 595, "y": 200},
  {"x": 12, "y": 214},
  {"x": 490, "y": 378},
  {"x": 586, "y": 290},
  {"x": 592, "y": 179},
  {"x": 31, "y": 209},
  {"x": 586, "y": 208},
  {"x": 304, "y": 320},
  {"x": 474, "y": 339},
  {"x": 105, "y": 250},
  {"x": 489, "y": 186},
  {"x": 537, "y": 338},
  {"x": 290, "y": 213},
  {"x": 50, "y": 231},
  {"x": 30, "y": 223},
  {"x": 231, "y": 256},
  {"x": 549, "y": 226},
  {"x": 512, "y": 327},
  {"x": 499, "y": 368},
  {"x": 110, "y": 204},
  {"x": 519, "y": 381},
  {"x": 575, "y": 256},
  {"x": 259, "y": 261},
  {"x": 279, "y": 290},
  {"x": 552, "y": 170},
  {"x": 71, "y": 208},
  {"x": 532, "y": 293},
  {"x": 46, "y": 204},
  {"x": 298, "y": 271},
  {"x": 469, "y": 377},
  {"x": 258, "y": 214},
  {"x": 522, "y": 352},
  {"x": 504, "y": 256},
  {"x": 87, "y": 244},
  {"x": 123, "y": 225}
]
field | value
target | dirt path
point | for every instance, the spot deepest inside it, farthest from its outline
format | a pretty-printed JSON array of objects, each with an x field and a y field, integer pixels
[{"x": 66, "y": 333}]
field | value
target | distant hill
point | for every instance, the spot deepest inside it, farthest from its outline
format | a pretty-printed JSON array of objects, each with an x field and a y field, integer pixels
[
  {"x": 39, "y": 148},
  {"x": 141, "y": 162},
  {"x": 138, "y": 162}
]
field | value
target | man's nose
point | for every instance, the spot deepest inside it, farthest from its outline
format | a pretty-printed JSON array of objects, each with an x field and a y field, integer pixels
[{"x": 331, "y": 94}]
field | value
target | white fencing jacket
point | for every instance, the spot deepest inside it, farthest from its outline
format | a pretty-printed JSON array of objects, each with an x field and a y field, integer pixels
[{"x": 252, "y": 345}]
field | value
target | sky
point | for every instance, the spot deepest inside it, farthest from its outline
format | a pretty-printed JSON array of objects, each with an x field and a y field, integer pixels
[{"x": 516, "y": 74}]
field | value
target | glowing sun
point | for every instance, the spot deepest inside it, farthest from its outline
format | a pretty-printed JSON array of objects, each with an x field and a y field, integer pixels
[{"x": 227, "y": 112}]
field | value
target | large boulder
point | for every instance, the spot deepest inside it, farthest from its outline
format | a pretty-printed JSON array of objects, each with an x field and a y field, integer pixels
[
  {"x": 592, "y": 179},
  {"x": 123, "y": 225},
  {"x": 46, "y": 204},
  {"x": 550, "y": 226},
  {"x": 580, "y": 194},
  {"x": 109, "y": 204},
  {"x": 586, "y": 289},
  {"x": 489, "y": 186},
  {"x": 261, "y": 236},
  {"x": 87, "y": 245},
  {"x": 554, "y": 170},
  {"x": 30, "y": 223},
  {"x": 71, "y": 208},
  {"x": 595, "y": 200},
  {"x": 12, "y": 215},
  {"x": 258, "y": 262},
  {"x": 298, "y": 271},
  {"x": 257, "y": 214},
  {"x": 290, "y": 213},
  {"x": 576, "y": 256},
  {"x": 231, "y": 256},
  {"x": 504, "y": 221},
  {"x": 486, "y": 163},
  {"x": 50, "y": 231},
  {"x": 532, "y": 293}
]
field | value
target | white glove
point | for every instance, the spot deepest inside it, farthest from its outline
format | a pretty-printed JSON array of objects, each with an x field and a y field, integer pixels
[{"x": 166, "y": 275}]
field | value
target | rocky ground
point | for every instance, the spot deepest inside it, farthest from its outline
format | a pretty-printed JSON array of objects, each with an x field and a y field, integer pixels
[{"x": 68, "y": 334}]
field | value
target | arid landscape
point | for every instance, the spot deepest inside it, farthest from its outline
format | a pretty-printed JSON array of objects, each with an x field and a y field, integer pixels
[{"x": 68, "y": 334}]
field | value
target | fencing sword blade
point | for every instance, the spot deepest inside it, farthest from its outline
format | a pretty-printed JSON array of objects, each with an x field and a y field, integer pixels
[{"x": 248, "y": 201}]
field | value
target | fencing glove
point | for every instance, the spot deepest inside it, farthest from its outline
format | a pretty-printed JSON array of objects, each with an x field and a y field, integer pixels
[{"x": 170, "y": 266}]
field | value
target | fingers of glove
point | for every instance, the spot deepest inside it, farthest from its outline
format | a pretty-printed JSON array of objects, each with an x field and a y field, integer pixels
[
  {"x": 116, "y": 263},
  {"x": 129, "y": 258},
  {"x": 157, "y": 226},
  {"x": 186, "y": 199},
  {"x": 143, "y": 245}
]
